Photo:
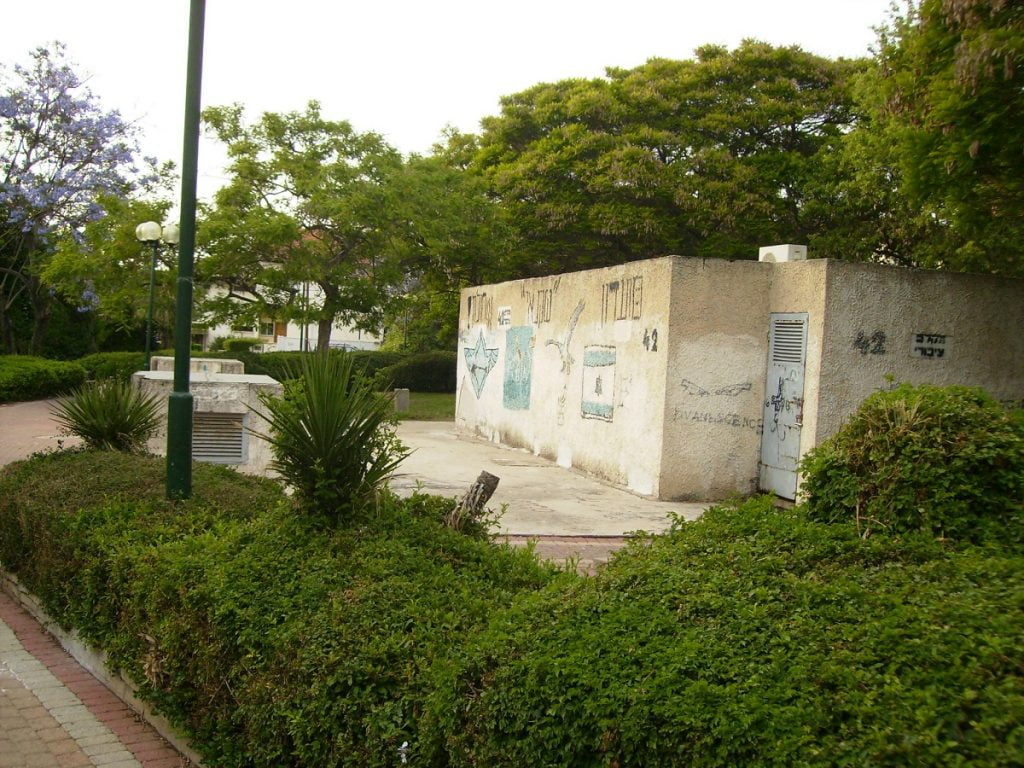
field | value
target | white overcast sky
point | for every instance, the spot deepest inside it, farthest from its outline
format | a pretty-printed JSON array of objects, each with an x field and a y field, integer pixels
[{"x": 401, "y": 68}]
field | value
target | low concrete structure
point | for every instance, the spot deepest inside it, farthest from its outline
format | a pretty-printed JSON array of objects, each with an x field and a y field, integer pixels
[
  {"x": 685, "y": 378},
  {"x": 227, "y": 410},
  {"x": 199, "y": 365}
]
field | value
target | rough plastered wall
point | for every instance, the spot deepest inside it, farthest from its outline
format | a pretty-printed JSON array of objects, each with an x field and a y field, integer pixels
[
  {"x": 571, "y": 367},
  {"x": 716, "y": 372},
  {"x": 918, "y": 326}
]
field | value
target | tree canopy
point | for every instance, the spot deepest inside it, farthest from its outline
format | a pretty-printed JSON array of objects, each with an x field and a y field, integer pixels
[
  {"x": 307, "y": 202},
  {"x": 711, "y": 156},
  {"x": 59, "y": 152}
]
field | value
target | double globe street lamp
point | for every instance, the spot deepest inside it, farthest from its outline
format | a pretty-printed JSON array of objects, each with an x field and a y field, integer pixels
[{"x": 153, "y": 234}]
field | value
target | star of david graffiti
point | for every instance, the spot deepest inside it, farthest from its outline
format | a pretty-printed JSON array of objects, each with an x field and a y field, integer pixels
[{"x": 480, "y": 360}]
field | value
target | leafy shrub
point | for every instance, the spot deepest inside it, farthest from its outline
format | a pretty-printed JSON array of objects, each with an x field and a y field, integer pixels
[
  {"x": 238, "y": 345},
  {"x": 753, "y": 637},
  {"x": 269, "y": 640},
  {"x": 947, "y": 460},
  {"x": 331, "y": 436},
  {"x": 109, "y": 415},
  {"x": 113, "y": 365},
  {"x": 425, "y": 372},
  {"x": 23, "y": 377}
]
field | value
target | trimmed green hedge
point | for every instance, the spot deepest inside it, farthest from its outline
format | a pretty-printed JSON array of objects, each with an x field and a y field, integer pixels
[
  {"x": 113, "y": 365},
  {"x": 751, "y": 637},
  {"x": 425, "y": 372},
  {"x": 948, "y": 461},
  {"x": 23, "y": 377},
  {"x": 275, "y": 642}
]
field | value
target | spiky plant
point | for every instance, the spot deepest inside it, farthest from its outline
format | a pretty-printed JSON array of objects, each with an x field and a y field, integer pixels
[
  {"x": 110, "y": 415},
  {"x": 331, "y": 436}
]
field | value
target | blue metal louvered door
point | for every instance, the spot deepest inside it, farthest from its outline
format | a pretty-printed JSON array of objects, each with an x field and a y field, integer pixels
[{"x": 783, "y": 403}]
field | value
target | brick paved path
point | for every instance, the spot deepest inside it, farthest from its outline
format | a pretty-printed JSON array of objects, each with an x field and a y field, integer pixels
[{"x": 54, "y": 714}]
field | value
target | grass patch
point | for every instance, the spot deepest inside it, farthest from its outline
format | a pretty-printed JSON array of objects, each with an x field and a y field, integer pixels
[{"x": 429, "y": 406}]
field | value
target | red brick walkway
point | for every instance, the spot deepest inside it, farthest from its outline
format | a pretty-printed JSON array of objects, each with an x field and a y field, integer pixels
[{"x": 54, "y": 714}]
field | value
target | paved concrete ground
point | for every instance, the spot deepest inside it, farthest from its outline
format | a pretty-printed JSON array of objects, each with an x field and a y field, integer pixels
[{"x": 54, "y": 714}]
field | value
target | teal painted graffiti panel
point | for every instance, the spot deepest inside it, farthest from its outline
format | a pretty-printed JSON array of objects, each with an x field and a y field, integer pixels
[{"x": 518, "y": 368}]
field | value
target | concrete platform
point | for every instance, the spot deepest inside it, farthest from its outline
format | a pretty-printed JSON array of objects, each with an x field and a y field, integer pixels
[{"x": 542, "y": 498}]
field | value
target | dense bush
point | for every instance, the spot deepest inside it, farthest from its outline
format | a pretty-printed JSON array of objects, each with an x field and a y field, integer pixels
[
  {"x": 32, "y": 378},
  {"x": 332, "y": 436},
  {"x": 946, "y": 460},
  {"x": 425, "y": 372},
  {"x": 239, "y": 345},
  {"x": 753, "y": 637},
  {"x": 272, "y": 641},
  {"x": 113, "y": 365},
  {"x": 109, "y": 414}
]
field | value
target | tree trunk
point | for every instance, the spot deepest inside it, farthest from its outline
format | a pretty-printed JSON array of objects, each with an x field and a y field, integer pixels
[
  {"x": 323, "y": 333},
  {"x": 7, "y": 334},
  {"x": 41, "y": 312}
]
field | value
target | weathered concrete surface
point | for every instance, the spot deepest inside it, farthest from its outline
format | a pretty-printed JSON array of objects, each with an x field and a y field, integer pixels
[
  {"x": 199, "y": 364},
  {"x": 542, "y": 497}
]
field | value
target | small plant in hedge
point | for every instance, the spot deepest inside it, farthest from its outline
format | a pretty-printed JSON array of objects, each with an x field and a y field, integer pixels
[
  {"x": 109, "y": 414},
  {"x": 331, "y": 436},
  {"x": 945, "y": 460}
]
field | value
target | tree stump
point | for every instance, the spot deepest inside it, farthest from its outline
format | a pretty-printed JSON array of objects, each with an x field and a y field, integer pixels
[{"x": 472, "y": 505}]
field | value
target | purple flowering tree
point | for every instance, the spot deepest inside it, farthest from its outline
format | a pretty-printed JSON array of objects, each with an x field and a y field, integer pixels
[{"x": 59, "y": 152}]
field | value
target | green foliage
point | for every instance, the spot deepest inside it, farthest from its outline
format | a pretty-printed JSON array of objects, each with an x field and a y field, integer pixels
[
  {"x": 331, "y": 437},
  {"x": 708, "y": 157},
  {"x": 271, "y": 641},
  {"x": 113, "y": 365},
  {"x": 238, "y": 344},
  {"x": 751, "y": 637},
  {"x": 948, "y": 461},
  {"x": 23, "y": 377},
  {"x": 307, "y": 204},
  {"x": 425, "y": 372},
  {"x": 946, "y": 97},
  {"x": 110, "y": 415}
]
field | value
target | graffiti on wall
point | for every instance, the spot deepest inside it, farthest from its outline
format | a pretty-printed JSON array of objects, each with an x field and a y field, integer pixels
[
  {"x": 622, "y": 299},
  {"x": 480, "y": 359},
  {"x": 651, "y": 340},
  {"x": 734, "y": 420},
  {"x": 518, "y": 368},
  {"x": 598, "y": 400},
  {"x": 931, "y": 345},
  {"x": 870, "y": 345},
  {"x": 729, "y": 390},
  {"x": 566, "y": 358},
  {"x": 539, "y": 301},
  {"x": 504, "y": 315},
  {"x": 479, "y": 309}
]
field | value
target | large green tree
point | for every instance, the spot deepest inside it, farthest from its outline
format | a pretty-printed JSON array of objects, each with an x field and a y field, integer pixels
[
  {"x": 308, "y": 202},
  {"x": 452, "y": 235},
  {"x": 713, "y": 157},
  {"x": 947, "y": 98}
]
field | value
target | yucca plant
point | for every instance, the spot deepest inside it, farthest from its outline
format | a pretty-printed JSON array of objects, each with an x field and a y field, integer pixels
[
  {"x": 110, "y": 415},
  {"x": 332, "y": 436}
]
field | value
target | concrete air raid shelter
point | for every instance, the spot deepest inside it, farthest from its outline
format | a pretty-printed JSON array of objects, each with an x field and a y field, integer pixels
[{"x": 683, "y": 378}]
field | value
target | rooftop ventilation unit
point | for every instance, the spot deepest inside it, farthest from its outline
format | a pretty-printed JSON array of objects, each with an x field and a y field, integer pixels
[{"x": 774, "y": 254}]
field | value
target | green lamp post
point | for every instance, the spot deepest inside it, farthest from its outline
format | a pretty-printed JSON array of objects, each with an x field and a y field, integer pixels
[{"x": 179, "y": 406}]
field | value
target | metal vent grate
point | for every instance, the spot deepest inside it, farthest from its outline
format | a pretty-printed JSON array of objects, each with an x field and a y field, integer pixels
[
  {"x": 218, "y": 437},
  {"x": 787, "y": 341}
]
